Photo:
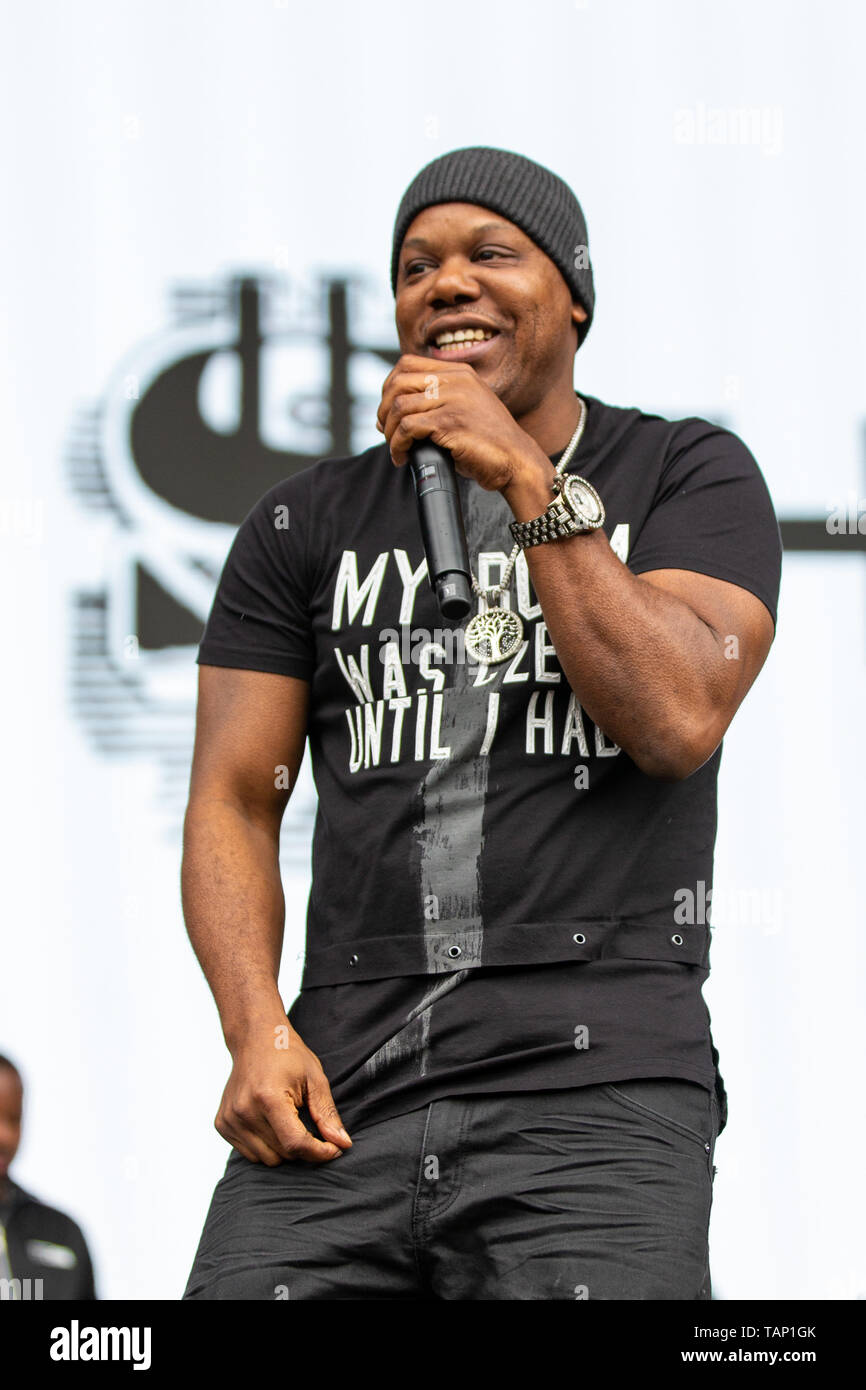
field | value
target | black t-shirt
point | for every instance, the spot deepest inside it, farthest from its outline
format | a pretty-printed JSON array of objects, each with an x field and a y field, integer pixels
[{"x": 500, "y": 896}]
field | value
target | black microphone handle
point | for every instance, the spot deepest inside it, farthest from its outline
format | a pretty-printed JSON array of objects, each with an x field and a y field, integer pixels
[{"x": 442, "y": 528}]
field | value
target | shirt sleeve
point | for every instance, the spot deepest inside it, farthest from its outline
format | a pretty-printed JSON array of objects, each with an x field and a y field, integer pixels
[
  {"x": 86, "y": 1281},
  {"x": 713, "y": 513},
  {"x": 260, "y": 616}
]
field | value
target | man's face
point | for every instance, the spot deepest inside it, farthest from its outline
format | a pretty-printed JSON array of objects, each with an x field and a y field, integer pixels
[
  {"x": 11, "y": 1103},
  {"x": 463, "y": 265}
]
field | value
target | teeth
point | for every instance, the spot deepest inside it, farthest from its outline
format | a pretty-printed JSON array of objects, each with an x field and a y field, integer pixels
[{"x": 463, "y": 335}]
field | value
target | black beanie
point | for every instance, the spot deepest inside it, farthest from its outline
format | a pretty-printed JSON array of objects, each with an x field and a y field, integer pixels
[{"x": 534, "y": 199}]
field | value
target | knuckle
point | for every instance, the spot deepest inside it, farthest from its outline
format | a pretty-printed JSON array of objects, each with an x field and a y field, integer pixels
[{"x": 319, "y": 1094}]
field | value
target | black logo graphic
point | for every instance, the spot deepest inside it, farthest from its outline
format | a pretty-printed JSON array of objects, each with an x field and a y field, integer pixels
[{"x": 238, "y": 393}]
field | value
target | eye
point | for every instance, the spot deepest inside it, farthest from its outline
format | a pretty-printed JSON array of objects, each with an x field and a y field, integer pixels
[{"x": 412, "y": 267}]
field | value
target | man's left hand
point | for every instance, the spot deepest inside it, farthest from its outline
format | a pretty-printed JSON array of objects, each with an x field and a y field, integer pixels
[{"x": 449, "y": 404}]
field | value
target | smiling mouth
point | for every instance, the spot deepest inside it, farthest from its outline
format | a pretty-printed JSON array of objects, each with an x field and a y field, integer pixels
[{"x": 463, "y": 345}]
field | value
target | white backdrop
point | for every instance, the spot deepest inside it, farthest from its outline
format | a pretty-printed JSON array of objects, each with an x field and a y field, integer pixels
[{"x": 147, "y": 144}]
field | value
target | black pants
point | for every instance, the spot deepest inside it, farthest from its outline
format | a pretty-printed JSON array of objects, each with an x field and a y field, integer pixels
[{"x": 598, "y": 1192}]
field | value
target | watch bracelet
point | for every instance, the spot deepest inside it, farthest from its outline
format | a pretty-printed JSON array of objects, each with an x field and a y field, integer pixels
[{"x": 542, "y": 528}]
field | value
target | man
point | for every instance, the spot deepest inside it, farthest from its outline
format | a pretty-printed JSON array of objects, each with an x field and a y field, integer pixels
[
  {"x": 506, "y": 939},
  {"x": 43, "y": 1253}
]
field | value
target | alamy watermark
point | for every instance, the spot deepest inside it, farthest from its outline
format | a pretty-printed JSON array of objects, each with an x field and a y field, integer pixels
[
  {"x": 20, "y": 1290},
  {"x": 765, "y": 908},
  {"x": 21, "y": 517},
  {"x": 848, "y": 519},
  {"x": 760, "y": 126},
  {"x": 416, "y": 644}
]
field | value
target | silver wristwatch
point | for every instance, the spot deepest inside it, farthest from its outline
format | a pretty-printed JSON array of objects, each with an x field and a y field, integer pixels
[{"x": 576, "y": 507}]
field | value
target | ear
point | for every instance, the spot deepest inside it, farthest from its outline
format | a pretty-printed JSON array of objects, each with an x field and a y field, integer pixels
[{"x": 578, "y": 316}]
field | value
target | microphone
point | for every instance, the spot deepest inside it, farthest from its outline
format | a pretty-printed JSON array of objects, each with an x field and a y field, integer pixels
[{"x": 442, "y": 528}]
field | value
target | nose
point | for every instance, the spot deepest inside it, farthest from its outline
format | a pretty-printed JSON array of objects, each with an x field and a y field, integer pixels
[{"x": 452, "y": 282}]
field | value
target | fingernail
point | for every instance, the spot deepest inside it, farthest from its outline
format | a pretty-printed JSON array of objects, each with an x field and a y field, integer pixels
[{"x": 345, "y": 1135}]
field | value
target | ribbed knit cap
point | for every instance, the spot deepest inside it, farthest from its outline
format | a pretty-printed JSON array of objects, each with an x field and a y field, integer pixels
[{"x": 532, "y": 197}]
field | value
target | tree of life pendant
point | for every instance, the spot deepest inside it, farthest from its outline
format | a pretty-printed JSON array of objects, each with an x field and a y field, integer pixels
[{"x": 493, "y": 635}]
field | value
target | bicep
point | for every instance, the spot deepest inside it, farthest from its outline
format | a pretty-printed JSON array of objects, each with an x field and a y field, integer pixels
[
  {"x": 251, "y": 727},
  {"x": 744, "y": 632}
]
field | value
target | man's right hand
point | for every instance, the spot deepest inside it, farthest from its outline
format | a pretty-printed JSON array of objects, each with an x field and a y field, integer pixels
[{"x": 258, "y": 1113}]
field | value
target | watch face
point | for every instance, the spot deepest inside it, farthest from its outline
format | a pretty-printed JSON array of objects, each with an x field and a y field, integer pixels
[{"x": 584, "y": 501}]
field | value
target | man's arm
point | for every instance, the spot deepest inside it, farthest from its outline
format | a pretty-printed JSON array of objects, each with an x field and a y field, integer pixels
[
  {"x": 649, "y": 656},
  {"x": 249, "y": 726}
]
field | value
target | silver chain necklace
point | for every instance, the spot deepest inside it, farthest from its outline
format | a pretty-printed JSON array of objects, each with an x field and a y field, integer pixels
[{"x": 495, "y": 633}]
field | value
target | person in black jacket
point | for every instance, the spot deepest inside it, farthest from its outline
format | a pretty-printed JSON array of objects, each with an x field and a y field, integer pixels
[{"x": 43, "y": 1253}]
